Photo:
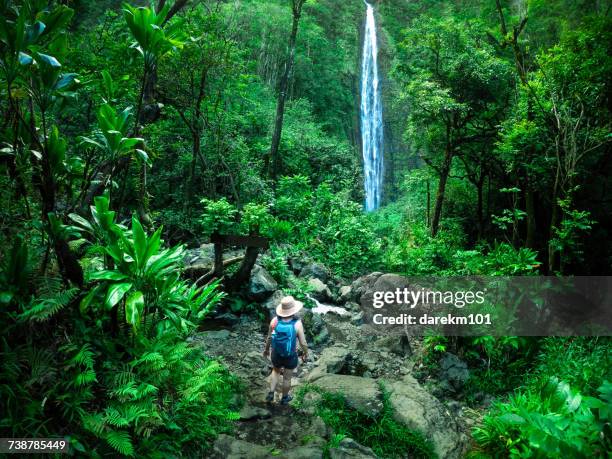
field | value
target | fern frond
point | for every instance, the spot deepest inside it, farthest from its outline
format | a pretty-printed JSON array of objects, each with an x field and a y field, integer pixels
[
  {"x": 41, "y": 309},
  {"x": 120, "y": 441},
  {"x": 84, "y": 357},
  {"x": 85, "y": 377},
  {"x": 114, "y": 418},
  {"x": 94, "y": 422},
  {"x": 152, "y": 360},
  {"x": 126, "y": 392}
]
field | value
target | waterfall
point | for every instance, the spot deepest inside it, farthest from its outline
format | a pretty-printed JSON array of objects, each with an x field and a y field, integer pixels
[{"x": 371, "y": 116}]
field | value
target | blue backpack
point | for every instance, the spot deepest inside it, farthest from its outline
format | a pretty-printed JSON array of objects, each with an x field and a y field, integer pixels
[{"x": 284, "y": 338}]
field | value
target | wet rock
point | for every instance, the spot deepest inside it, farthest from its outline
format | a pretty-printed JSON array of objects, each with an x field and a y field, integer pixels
[
  {"x": 361, "y": 394},
  {"x": 357, "y": 319},
  {"x": 370, "y": 361},
  {"x": 331, "y": 361},
  {"x": 454, "y": 372},
  {"x": 350, "y": 449},
  {"x": 315, "y": 328},
  {"x": 271, "y": 303},
  {"x": 419, "y": 410},
  {"x": 228, "y": 318},
  {"x": 316, "y": 271},
  {"x": 398, "y": 345},
  {"x": 250, "y": 413},
  {"x": 233, "y": 448},
  {"x": 204, "y": 255},
  {"x": 345, "y": 293},
  {"x": 297, "y": 263},
  {"x": 262, "y": 284},
  {"x": 320, "y": 291}
]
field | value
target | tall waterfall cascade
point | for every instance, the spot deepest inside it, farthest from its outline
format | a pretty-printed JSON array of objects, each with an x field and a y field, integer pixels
[{"x": 371, "y": 116}]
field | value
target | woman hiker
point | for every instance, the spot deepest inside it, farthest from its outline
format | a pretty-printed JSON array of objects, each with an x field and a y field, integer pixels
[{"x": 284, "y": 332}]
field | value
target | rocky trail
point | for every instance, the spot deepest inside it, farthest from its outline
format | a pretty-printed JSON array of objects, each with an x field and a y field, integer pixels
[{"x": 344, "y": 359}]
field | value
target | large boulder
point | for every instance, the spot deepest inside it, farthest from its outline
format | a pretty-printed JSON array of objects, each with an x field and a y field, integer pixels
[
  {"x": 233, "y": 448},
  {"x": 316, "y": 271},
  {"x": 362, "y": 285},
  {"x": 315, "y": 328},
  {"x": 331, "y": 361},
  {"x": 320, "y": 291},
  {"x": 454, "y": 372},
  {"x": 350, "y": 449},
  {"x": 418, "y": 410},
  {"x": 272, "y": 302},
  {"x": 262, "y": 284},
  {"x": 390, "y": 282},
  {"x": 361, "y": 394}
]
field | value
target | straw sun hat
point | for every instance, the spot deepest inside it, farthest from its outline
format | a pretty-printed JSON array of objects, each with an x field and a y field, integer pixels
[{"x": 288, "y": 307}]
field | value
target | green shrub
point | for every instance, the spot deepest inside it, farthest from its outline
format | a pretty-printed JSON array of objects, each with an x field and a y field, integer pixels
[
  {"x": 584, "y": 362},
  {"x": 219, "y": 216},
  {"x": 387, "y": 437},
  {"x": 413, "y": 252},
  {"x": 551, "y": 421},
  {"x": 545, "y": 414},
  {"x": 274, "y": 261},
  {"x": 116, "y": 374}
]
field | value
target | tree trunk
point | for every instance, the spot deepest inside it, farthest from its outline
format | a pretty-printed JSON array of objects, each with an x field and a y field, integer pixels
[
  {"x": 190, "y": 185},
  {"x": 68, "y": 264},
  {"x": 554, "y": 221},
  {"x": 275, "y": 160},
  {"x": 444, "y": 172},
  {"x": 243, "y": 274}
]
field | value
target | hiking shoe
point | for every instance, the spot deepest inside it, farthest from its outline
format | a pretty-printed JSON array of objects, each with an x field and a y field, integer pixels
[
  {"x": 270, "y": 396},
  {"x": 286, "y": 399}
]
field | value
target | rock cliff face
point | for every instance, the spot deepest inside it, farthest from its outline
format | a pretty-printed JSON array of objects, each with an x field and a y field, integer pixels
[{"x": 344, "y": 360}]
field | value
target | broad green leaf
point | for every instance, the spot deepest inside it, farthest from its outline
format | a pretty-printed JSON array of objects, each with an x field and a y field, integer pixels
[
  {"x": 65, "y": 80},
  {"x": 86, "y": 301},
  {"x": 107, "y": 275},
  {"x": 134, "y": 307},
  {"x": 153, "y": 245},
  {"x": 144, "y": 157},
  {"x": 34, "y": 31},
  {"x": 81, "y": 221},
  {"x": 57, "y": 19},
  {"x": 115, "y": 293},
  {"x": 25, "y": 59},
  {"x": 512, "y": 418},
  {"x": 49, "y": 60}
]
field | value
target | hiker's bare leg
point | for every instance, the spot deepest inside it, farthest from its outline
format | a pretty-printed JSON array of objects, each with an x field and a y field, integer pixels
[
  {"x": 286, "y": 381},
  {"x": 274, "y": 379}
]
